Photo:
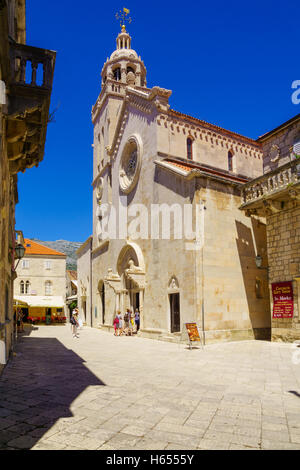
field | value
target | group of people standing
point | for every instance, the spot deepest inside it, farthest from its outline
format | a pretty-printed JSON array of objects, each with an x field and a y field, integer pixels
[{"x": 127, "y": 324}]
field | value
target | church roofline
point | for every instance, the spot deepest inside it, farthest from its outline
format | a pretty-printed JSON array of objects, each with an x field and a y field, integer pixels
[
  {"x": 215, "y": 128},
  {"x": 194, "y": 169},
  {"x": 279, "y": 128}
]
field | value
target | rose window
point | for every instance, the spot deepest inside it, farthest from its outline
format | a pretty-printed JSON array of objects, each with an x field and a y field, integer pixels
[{"x": 130, "y": 164}]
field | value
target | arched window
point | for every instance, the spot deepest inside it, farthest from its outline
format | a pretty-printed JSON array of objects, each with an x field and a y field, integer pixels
[
  {"x": 189, "y": 148},
  {"x": 22, "y": 287},
  {"x": 117, "y": 74},
  {"x": 48, "y": 288},
  {"x": 230, "y": 161},
  {"x": 130, "y": 69},
  {"x": 27, "y": 287}
]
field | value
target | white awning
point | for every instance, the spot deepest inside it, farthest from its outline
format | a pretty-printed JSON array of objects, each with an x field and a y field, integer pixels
[
  {"x": 42, "y": 301},
  {"x": 74, "y": 282},
  {"x": 20, "y": 303}
]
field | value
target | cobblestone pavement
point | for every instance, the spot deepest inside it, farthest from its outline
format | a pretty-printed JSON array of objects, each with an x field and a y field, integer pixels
[{"x": 105, "y": 392}]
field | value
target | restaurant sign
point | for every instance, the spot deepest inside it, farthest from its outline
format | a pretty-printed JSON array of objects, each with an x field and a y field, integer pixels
[
  {"x": 283, "y": 301},
  {"x": 193, "y": 333}
]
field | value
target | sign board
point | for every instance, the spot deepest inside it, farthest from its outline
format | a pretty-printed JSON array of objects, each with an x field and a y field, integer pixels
[
  {"x": 193, "y": 332},
  {"x": 283, "y": 301}
]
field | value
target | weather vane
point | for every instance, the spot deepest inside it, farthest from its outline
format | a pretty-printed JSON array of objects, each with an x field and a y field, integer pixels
[{"x": 122, "y": 17}]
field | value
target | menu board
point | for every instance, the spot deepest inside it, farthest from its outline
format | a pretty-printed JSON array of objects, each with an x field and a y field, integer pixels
[
  {"x": 193, "y": 331},
  {"x": 283, "y": 301}
]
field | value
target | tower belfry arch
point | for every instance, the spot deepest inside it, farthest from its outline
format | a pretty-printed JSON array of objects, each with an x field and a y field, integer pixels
[{"x": 124, "y": 65}]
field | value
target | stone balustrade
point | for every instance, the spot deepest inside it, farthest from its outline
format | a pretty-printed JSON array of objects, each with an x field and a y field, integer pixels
[
  {"x": 21, "y": 55},
  {"x": 273, "y": 182}
]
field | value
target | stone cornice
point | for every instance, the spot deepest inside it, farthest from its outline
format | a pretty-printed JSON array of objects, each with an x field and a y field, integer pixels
[
  {"x": 100, "y": 247},
  {"x": 101, "y": 172},
  {"x": 142, "y": 100},
  {"x": 84, "y": 245},
  {"x": 210, "y": 133}
]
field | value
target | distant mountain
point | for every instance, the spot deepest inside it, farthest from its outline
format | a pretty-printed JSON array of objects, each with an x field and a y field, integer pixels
[{"x": 69, "y": 248}]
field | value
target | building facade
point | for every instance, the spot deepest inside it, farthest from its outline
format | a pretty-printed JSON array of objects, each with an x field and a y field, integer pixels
[
  {"x": 41, "y": 282},
  {"x": 71, "y": 288},
  {"x": 275, "y": 195},
  {"x": 24, "y": 110},
  {"x": 84, "y": 278},
  {"x": 168, "y": 235}
]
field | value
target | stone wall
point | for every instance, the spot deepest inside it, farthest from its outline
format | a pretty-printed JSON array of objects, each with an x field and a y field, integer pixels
[
  {"x": 283, "y": 235},
  {"x": 236, "y": 300},
  {"x": 83, "y": 281},
  {"x": 278, "y": 149},
  {"x": 210, "y": 146},
  {"x": 8, "y": 196}
]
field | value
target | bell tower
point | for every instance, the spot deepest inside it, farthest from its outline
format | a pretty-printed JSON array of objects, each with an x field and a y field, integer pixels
[{"x": 124, "y": 65}]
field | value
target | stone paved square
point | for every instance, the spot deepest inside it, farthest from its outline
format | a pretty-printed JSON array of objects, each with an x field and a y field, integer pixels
[{"x": 100, "y": 391}]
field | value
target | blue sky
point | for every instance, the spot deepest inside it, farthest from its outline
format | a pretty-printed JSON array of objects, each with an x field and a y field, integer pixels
[{"x": 229, "y": 63}]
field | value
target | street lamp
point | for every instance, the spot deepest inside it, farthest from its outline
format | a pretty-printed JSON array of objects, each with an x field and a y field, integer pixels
[
  {"x": 19, "y": 253},
  {"x": 258, "y": 261}
]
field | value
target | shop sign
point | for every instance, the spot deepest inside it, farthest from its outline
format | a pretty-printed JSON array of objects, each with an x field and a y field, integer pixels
[
  {"x": 283, "y": 301},
  {"x": 193, "y": 332}
]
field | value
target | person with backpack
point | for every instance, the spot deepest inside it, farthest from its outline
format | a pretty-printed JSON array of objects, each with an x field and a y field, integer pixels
[
  {"x": 137, "y": 319},
  {"x": 74, "y": 324}
]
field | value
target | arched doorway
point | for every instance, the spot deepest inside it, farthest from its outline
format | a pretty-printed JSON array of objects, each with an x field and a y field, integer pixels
[
  {"x": 174, "y": 305},
  {"x": 131, "y": 276}
]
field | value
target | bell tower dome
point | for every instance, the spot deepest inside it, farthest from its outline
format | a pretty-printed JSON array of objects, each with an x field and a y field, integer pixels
[{"x": 124, "y": 65}]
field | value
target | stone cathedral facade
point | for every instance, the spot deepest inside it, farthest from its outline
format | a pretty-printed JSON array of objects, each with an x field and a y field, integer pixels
[{"x": 167, "y": 187}]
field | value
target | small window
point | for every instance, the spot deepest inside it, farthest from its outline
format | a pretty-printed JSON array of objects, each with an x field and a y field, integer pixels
[
  {"x": 230, "y": 161},
  {"x": 48, "y": 288},
  {"x": 48, "y": 264},
  {"x": 189, "y": 147},
  {"x": 130, "y": 69},
  {"x": 22, "y": 287},
  {"x": 25, "y": 263},
  {"x": 117, "y": 74},
  {"x": 27, "y": 287}
]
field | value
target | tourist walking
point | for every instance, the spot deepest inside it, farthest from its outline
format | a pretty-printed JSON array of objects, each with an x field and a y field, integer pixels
[
  {"x": 131, "y": 322},
  {"x": 137, "y": 319},
  {"x": 74, "y": 324},
  {"x": 80, "y": 322},
  {"x": 120, "y": 323},
  {"x": 116, "y": 324},
  {"x": 20, "y": 325}
]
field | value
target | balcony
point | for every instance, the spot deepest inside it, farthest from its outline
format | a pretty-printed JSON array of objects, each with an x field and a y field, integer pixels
[
  {"x": 30, "y": 86},
  {"x": 274, "y": 191}
]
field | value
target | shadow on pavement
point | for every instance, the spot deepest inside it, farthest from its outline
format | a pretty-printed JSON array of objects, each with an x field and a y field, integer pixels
[
  {"x": 295, "y": 393},
  {"x": 37, "y": 387}
]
